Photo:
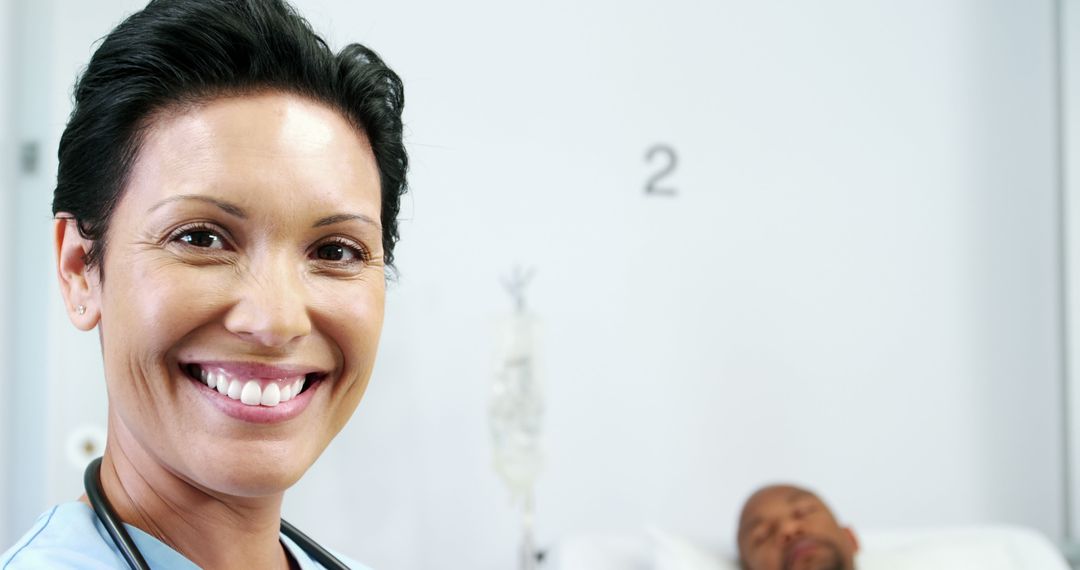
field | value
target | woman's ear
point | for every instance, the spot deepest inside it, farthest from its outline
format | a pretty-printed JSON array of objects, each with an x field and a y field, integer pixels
[{"x": 78, "y": 283}]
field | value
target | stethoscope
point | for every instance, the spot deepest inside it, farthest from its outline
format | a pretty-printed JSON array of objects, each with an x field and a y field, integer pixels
[{"x": 130, "y": 552}]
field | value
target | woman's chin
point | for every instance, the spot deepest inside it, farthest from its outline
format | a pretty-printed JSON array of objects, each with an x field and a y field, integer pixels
[
  {"x": 250, "y": 474},
  {"x": 249, "y": 483}
]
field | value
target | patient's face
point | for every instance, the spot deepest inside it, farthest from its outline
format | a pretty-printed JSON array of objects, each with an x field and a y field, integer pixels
[{"x": 788, "y": 528}]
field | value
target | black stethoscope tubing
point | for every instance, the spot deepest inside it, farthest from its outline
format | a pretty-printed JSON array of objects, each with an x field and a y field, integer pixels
[{"x": 134, "y": 558}]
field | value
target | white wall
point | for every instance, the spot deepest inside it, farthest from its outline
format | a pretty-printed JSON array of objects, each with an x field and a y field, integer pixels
[
  {"x": 856, "y": 287},
  {"x": 30, "y": 256},
  {"x": 7, "y": 176},
  {"x": 1070, "y": 178}
]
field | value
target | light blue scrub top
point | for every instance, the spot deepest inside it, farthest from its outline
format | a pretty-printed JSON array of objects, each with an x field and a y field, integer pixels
[{"x": 71, "y": 536}]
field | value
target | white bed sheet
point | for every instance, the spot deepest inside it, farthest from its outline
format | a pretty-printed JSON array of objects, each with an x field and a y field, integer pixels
[{"x": 964, "y": 548}]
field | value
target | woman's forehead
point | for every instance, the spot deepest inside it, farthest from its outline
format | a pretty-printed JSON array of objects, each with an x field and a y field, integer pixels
[
  {"x": 264, "y": 116},
  {"x": 253, "y": 148}
]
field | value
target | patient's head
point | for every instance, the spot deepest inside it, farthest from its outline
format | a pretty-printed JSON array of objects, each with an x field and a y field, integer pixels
[{"x": 783, "y": 527}]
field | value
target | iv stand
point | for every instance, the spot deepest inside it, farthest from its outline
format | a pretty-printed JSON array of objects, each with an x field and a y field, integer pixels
[{"x": 516, "y": 410}]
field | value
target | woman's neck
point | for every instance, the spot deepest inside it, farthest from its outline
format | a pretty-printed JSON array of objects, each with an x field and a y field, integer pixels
[{"x": 211, "y": 530}]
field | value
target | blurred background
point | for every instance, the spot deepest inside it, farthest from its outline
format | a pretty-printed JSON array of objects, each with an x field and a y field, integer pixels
[{"x": 829, "y": 242}]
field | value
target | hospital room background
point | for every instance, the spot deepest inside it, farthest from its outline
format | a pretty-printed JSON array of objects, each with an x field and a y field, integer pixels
[{"x": 833, "y": 242}]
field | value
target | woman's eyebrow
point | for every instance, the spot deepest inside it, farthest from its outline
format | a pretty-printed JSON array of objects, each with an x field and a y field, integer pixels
[
  {"x": 338, "y": 218},
  {"x": 239, "y": 212},
  {"x": 229, "y": 208}
]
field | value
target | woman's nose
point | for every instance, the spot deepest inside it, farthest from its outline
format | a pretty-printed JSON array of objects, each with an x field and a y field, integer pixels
[{"x": 271, "y": 307}]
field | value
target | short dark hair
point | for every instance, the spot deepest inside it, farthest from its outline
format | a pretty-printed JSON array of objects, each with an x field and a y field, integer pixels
[{"x": 183, "y": 52}]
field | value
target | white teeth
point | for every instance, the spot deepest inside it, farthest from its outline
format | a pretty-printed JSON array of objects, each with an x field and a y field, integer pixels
[
  {"x": 271, "y": 395},
  {"x": 252, "y": 394},
  {"x": 235, "y": 387}
]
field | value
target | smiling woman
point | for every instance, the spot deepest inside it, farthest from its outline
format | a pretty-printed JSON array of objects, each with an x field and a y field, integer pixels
[{"x": 226, "y": 210}]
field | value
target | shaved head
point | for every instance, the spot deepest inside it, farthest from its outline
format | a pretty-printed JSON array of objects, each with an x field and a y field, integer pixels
[{"x": 786, "y": 527}]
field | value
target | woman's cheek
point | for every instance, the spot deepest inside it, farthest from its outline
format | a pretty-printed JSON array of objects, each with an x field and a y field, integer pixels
[
  {"x": 184, "y": 296},
  {"x": 353, "y": 310},
  {"x": 156, "y": 309}
]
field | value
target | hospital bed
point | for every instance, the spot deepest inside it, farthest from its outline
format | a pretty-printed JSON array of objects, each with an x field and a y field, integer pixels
[{"x": 964, "y": 548}]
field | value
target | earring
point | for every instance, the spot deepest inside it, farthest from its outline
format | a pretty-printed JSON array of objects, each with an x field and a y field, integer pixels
[{"x": 81, "y": 309}]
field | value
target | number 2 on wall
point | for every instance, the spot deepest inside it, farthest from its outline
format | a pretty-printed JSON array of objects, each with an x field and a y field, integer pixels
[{"x": 667, "y": 167}]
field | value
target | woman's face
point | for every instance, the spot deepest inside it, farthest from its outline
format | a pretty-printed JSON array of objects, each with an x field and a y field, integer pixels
[{"x": 246, "y": 252}]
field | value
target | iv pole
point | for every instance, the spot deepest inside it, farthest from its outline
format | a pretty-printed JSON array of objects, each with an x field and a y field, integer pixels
[{"x": 516, "y": 410}]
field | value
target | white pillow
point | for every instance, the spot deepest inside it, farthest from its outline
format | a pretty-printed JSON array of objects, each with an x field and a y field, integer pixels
[
  {"x": 937, "y": 557},
  {"x": 603, "y": 552},
  {"x": 982, "y": 549},
  {"x": 962, "y": 549},
  {"x": 672, "y": 552}
]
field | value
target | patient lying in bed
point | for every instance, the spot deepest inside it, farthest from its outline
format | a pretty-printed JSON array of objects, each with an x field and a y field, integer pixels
[{"x": 783, "y": 527}]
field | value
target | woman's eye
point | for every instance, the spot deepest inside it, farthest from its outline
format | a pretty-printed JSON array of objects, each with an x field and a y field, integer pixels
[
  {"x": 202, "y": 239},
  {"x": 337, "y": 252}
]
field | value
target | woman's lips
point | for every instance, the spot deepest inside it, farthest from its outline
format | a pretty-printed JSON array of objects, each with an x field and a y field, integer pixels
[
  {"x": 254, "y": 392},
  {"x": 249, "y": 390}
]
